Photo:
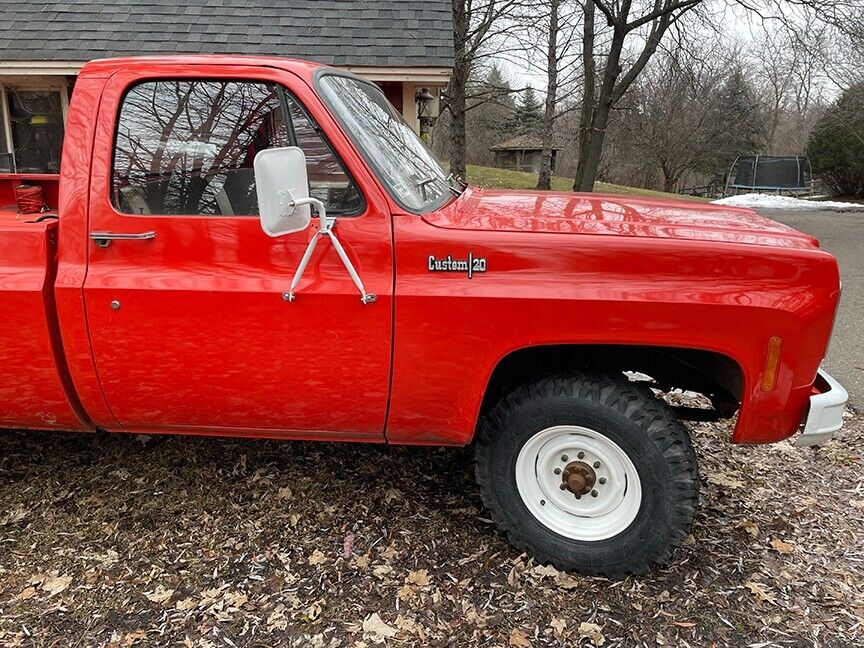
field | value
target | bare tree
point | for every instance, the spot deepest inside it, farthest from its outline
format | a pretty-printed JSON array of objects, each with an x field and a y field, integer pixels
[
  {"x": 561, "y": 68},
  {"x": 544, "y": 181},
  {"x": 476, "y": 25},
  {"x": 691, "y": 112},
  {"x": 627, "y": 23}
]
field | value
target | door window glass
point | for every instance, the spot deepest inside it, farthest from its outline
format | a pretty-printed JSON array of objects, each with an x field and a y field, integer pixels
[
  {"x": 188, "y": 147},
  {"x": 328, "y": 181}
]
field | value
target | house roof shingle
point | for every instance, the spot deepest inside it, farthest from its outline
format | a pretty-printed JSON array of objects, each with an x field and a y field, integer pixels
[{"x": 389, "y": 33}]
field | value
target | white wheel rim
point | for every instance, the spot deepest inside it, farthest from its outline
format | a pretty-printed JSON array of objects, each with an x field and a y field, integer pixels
[{"x": 606, "y": 510}]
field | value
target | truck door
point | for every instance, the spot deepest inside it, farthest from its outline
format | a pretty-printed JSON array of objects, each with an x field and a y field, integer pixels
[{"x": 184, "y": 291}]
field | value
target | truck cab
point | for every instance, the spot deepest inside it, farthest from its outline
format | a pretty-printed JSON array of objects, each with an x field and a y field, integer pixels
[{"x": 261, "y": 247}]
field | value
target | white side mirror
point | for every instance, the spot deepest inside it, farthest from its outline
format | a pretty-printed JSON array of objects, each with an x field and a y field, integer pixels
[{"x": 283, "y": 190}]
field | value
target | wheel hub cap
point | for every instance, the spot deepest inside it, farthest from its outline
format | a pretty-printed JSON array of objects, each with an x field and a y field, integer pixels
[
  {"x": 578, "y": 478},
  {"x": 578, "y": 482}
]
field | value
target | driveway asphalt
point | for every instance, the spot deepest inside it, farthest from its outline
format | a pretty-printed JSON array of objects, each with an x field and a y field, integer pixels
[{"x": 841, "y": 234}]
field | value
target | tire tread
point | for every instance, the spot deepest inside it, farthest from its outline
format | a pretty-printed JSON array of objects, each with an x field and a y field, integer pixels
[{"x": 630, "y": 399}]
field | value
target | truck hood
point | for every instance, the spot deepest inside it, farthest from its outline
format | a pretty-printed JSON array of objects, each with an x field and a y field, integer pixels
[{"x": 558, "y": 212}]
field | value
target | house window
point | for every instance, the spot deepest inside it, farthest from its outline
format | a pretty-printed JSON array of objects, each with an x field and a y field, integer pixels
[{"x": 32, "y": 125}]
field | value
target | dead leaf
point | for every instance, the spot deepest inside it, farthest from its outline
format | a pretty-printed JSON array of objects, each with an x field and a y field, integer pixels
[
  {"x": 15, "y": 516},
  {"x": 406, "y": 593},
  {"x": 519, "y": 640},
  {"x": 567, "y": 582},
  {"x": 592, "y": 632},
  {"x": 392, "y": 495},
  {"x": 284, "y": 493},
  {"x": 314, "y": 610},
  {"x": 382, "y": 570},
  {"x": 558, "y": 625},
  {"x": 758, "y": 590},
  {"x": 419, "y": 578},
  {"x": 26, "y": 594},
  {"x": 375, "y": 628},
  {"x": 56, "y": 584},
  {"x": 782, "y": 547},
  {"x": 750, "y": 527},
  {"x": 317, "y": 558},
  {"x": 186, "y": 604},
  {"x": 544, "y": 571},
  {"x": 725, "y": 480},
  {"x": 134, "y": 637},
  {"x": 159, "y": 595}
]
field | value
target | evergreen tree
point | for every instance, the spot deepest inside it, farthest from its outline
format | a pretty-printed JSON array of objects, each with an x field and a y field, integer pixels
[
  {"x": 739, "y": 115},
  {"x": 836, "y": 146},
  {"x": 529, "y": 112}
]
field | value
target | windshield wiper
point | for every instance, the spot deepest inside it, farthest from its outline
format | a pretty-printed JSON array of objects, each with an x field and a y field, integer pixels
[
  {"x": 425, "y": 181},
  {"x": 457, "y": 179}
]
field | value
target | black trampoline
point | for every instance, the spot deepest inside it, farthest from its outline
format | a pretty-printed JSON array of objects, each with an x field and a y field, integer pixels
[{"x": 753, "y": 173}]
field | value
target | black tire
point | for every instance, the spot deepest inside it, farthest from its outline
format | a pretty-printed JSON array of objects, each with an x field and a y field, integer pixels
[{"x": 631, "y": 416}]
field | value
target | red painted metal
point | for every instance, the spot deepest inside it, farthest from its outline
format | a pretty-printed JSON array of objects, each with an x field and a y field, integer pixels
[
  {"x": 48, "y": 183},
  {"x": 204, "y": 344},
  {"x": 203, "y": 338},
  {"x": 32, "y": 393},
  {"x": 588, "y": 269}
]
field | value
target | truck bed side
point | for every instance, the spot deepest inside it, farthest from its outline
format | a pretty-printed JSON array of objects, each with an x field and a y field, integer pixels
[{"x": 35, "y": 389}]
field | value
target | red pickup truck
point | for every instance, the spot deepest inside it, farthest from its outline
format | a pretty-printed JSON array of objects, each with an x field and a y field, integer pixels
[{"x": 261, "y": 247}]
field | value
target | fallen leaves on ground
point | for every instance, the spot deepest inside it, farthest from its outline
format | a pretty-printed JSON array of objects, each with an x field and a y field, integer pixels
[
  {"x": 110, "y": 541},
  {"x": 375, "y": 628},
  {"x": 782, "y": 547},
  {"x": 591, "y": 632}
]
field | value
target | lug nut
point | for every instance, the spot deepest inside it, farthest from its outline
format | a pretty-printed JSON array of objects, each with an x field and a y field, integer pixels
[
  {"x": 602, "y": 480},
  {"x": 557, "y": 471},
  {"x": 578, "y": 496},
  {"x": 593, "y": 493},
  {"x": 542, "y": 502},
  {"x": 581, "y": 455},
  {"x": 564, "y": 457},
  {"x": 596, "y": 464},
  {"x": 562, "y": 486}
]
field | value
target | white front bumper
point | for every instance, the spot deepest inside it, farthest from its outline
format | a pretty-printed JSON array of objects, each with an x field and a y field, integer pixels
[{"x": 825, "y": 415}]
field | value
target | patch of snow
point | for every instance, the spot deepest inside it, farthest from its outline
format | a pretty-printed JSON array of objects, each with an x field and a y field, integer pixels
[{"x": 774, "y": 201}]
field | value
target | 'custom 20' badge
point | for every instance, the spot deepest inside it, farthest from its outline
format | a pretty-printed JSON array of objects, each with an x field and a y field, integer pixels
[{"x": 448, "y": 264}]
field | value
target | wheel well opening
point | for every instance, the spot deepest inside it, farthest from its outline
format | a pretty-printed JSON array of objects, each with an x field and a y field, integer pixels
[{"x": 714, "y": 375}]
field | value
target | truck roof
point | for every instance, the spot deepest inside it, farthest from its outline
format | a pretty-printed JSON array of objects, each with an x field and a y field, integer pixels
[{"x": 100, "y": 67}]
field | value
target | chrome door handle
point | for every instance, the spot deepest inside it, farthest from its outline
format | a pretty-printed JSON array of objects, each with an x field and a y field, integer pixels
[{"x": 103, "y": 239}]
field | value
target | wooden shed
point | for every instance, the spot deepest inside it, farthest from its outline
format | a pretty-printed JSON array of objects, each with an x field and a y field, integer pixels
[{"x": 522, "y": 153}]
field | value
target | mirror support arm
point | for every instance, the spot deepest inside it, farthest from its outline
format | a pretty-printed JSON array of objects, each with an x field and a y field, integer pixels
[{"x": 326, "y": 229}]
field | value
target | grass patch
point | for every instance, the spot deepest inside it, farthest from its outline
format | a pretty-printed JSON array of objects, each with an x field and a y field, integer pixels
[{"x": 505, "y": 179}]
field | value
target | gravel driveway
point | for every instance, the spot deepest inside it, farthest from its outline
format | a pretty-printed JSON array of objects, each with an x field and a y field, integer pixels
[{"x": 842, "y": 234}]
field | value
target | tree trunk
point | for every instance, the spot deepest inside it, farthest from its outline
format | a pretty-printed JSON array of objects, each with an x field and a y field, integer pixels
[
  {"x": 590, "y": 151},
  {"x": 458, "y": 151},
  {"x": 457, "y": 88},
  {"x": 597, "y": 106},
  {"x": 545, "y": 179},
  {"x": 669, "y": 182},
  {"x": 589, "y": 79}
]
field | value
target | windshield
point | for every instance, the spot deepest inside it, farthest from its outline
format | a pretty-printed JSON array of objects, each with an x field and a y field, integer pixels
[{"x": 399, "y": 157}]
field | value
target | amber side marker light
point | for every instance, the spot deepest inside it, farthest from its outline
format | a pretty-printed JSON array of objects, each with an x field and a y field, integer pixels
[{"x": 772, "y": 364}]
